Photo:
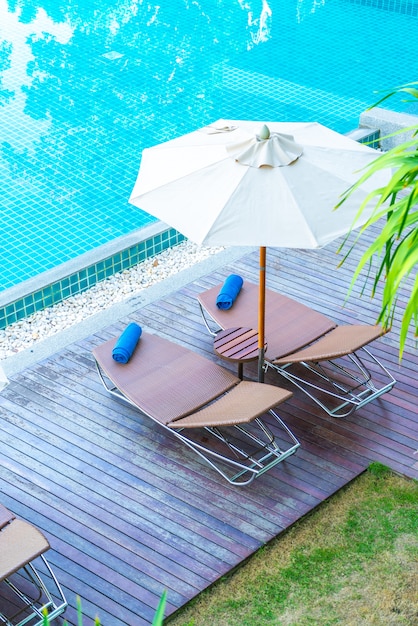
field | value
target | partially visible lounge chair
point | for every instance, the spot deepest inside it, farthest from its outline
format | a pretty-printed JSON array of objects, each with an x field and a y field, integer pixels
[
  {"x": 220, "y": 417},
  {"x": 22, "y": 584},
  {"x": 330, "y": 363}
]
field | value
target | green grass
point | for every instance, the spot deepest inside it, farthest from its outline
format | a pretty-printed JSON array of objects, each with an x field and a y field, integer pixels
[{"x": 353, "y": 561}]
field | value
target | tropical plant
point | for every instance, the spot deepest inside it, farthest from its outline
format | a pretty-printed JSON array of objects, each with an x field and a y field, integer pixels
[{"x": 393, "y": 255}]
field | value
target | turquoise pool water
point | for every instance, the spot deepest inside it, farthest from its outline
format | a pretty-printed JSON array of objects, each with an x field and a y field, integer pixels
[{"x": 85, "y": 86}]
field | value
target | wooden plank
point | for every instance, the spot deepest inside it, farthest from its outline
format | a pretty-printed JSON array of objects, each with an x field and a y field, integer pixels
[{"x": 128, "y": 510}]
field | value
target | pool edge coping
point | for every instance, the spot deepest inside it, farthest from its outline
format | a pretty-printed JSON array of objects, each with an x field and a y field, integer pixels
[
  {"x": 80, "y": 262},
  {"x": 39, "y": 351}
]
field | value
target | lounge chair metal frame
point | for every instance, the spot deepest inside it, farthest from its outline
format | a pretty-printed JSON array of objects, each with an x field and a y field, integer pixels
[
  {"x": 250, "y": 447},
  {"x": 335, "y": 356},
  {"x": 51, "y": 606},
  {"x": 48, "y": 598},
  {"x": 350, "y": 398}
]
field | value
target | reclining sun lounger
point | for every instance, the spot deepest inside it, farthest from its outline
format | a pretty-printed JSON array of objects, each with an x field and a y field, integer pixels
[
  {"x": 220, "y": 417},
  {"x": 22, "y": 586},
  {"x": 330, "y": 363}
]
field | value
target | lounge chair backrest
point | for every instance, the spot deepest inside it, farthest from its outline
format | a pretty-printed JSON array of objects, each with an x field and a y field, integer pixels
[
  {"x": 165, "y": 379},
  {"x": 289, "y": 324}
]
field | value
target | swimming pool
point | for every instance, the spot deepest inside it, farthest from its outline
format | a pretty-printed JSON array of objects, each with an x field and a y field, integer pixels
[{"x": 85, "y": 87}]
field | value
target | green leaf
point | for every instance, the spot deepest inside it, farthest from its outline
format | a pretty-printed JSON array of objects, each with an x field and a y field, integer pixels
[
  {"x": 393, "y": 254},
  {"x": 411, "y": 314},
  {"x": 159, "y": 615}
]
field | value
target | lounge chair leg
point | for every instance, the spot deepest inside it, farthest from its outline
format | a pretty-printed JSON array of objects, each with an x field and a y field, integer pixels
[
  {"x": 347, "y": 398},
  {"x": 34, "y": 608},
  {"x": 207, "y": 324}
]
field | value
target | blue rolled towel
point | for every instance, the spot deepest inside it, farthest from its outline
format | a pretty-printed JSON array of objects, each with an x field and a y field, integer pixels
[
  {"x": 229, "y": 291},
  {"x": 126, "y": 344}
]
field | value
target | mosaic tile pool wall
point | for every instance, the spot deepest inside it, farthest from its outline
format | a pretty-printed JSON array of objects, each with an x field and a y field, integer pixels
[{"x": 32, "y": 299}]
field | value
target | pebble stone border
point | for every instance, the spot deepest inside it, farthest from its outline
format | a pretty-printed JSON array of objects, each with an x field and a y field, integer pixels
[{"x": 25, "y": 333}]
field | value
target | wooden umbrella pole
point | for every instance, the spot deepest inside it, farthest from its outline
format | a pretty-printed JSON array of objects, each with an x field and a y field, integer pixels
[{"x": 261, "y": 313}]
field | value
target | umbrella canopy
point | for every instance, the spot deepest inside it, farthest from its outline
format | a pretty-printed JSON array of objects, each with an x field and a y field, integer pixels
[{"x": 252, "y": 184}]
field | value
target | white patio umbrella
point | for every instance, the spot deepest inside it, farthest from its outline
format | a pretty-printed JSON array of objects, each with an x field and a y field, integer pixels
[{"x": 240, "y": 183}]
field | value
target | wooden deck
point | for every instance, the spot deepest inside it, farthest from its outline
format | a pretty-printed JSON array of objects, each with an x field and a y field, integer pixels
[{"x": 128, "y": 510}]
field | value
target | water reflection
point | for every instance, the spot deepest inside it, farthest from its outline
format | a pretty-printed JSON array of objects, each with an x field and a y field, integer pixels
[
  {"x": 259, "y": 21},
  {"x": 16, "y": 62},
  {"x": 304, "y": 8},
  {"x": 84, "y": 87}
]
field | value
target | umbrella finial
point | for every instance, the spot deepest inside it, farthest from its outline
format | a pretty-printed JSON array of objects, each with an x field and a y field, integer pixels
[
  {"x": 263, "y": 133},
  {"x": 265, "y": 149}
]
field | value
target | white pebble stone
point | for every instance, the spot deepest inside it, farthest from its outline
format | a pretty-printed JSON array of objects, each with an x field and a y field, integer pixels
[{"x": 25, "y": 333}]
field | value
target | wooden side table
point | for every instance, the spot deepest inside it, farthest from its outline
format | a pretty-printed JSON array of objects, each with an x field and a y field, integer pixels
[{"x": 238, "y": 345}]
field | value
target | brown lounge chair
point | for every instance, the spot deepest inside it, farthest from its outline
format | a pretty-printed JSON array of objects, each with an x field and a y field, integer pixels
[
  {"x": 23, "y": 589},
  {"x": 220, "y": 417},
  {"x": 329, "y": 363}
]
